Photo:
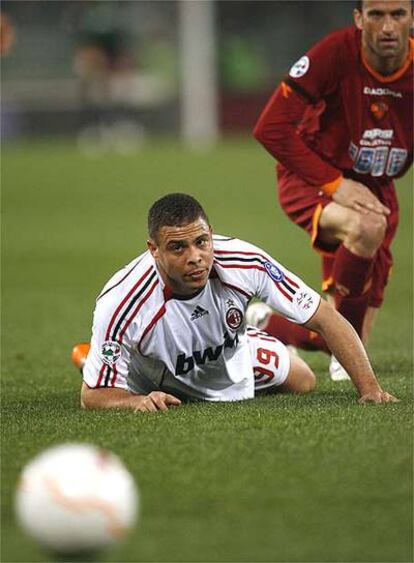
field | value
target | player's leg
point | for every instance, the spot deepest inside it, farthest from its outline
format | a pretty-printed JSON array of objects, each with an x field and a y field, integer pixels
[
  {"x": 351, "y": 239},
  {"x": 261, "y": 316},
  {"x": 360, "y": 236},
  {"x": 300, "y": 379},
  {"x": 303, "y": 205},
  {"x": 369, "y": 320},
  {"x": 366, "y": 306},
  {"x": 352, "y": 266},
  {"x": 347, "y": 238},
  {"x": 275, "y": 369},
  {"x": 353, "y": 247},
  {"x": 382, "y": 270}
]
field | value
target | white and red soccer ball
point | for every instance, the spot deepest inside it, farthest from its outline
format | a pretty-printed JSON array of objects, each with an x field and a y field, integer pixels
[{"x": 76, "y": 498}]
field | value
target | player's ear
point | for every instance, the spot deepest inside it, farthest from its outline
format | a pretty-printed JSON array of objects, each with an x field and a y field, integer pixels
[
  {"x": 153, "y": 248},
  {"x": 358, "y": 19}
]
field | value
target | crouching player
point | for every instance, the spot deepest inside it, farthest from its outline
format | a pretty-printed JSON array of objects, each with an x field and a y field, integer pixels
[
  {"x": 170, "y": 326},
  {"x": 341, "y": 127}
]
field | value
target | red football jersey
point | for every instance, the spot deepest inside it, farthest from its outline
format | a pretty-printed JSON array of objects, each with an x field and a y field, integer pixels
[{"x": 335, "y": 115}]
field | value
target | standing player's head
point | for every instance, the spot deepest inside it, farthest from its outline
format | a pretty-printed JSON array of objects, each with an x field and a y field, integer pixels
[
  {"x": 385, "y": 26},
  {"x": 180, "y": 240}
]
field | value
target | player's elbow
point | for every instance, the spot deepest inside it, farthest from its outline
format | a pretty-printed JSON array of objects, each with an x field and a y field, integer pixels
[
  {"x": 263, "y": 133},
  {"x": 85, "y": 397},
  {"x": 308, "y": 383},
  {"x": 258, "y": 131},
  {"x": 322, "y": 320},
  {"x": 272, "y": 136}
]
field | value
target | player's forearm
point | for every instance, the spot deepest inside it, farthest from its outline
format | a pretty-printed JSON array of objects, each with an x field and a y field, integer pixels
[
  {"x": 347, "y": 347},
  {"x": 108, "y": 398}
]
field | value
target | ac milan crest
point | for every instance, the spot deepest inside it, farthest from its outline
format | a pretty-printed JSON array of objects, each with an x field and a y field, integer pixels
[{"x": 234, "y": 318}]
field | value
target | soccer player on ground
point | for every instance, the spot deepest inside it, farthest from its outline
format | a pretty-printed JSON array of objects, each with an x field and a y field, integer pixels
[
  {"x": 341, "y": 127},
  {"x": 170, "y": 326}
]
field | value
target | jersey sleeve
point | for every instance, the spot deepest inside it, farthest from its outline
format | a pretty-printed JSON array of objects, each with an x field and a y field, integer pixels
[
  {"x": 108, "y": 360},
  {"x": 255, "y": 273},
  {"x": 315, "y": 75},
  {"x": 296, "y": 103},
  {"x": 286, "y": 293}
]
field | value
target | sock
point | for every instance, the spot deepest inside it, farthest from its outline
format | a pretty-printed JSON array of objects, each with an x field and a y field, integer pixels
[
  {"x": 327, "y": 267},
  {"x": 295, "y": 335},
  {"x": 352, "y": 279}
]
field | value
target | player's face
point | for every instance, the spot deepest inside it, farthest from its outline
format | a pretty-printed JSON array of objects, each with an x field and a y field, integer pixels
[
  {"x": 184, "y": 256},
  {"x": 385, "y": 26}
]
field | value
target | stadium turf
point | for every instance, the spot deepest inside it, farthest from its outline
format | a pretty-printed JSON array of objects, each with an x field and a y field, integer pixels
[{"x": 313, "y": 478}]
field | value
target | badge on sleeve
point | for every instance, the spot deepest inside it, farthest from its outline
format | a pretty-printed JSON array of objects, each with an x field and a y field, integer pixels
[
  {"x": 304, "y": 300},
  {"x": 110, "y": 352},
  {"x": 300, "y": 67},
  {"x": 274, "y": 272}
]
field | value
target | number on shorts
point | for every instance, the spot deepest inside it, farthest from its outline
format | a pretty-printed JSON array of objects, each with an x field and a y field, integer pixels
[{"x": 266, "y": 356}]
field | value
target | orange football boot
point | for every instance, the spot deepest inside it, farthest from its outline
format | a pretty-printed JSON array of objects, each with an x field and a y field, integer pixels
[{"x": 79, "y": 354}]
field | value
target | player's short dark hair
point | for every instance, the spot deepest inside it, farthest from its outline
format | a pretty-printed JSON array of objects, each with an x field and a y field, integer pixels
[
  {"x": 173, "y": 210},
  {"x": 359, "y": 3}
]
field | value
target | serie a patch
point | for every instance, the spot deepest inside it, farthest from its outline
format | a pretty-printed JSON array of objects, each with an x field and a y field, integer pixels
[{"x": 274, "y": 272}]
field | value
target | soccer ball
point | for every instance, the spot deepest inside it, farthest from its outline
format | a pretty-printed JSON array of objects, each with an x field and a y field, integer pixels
[{"x": 76, "y": 498}]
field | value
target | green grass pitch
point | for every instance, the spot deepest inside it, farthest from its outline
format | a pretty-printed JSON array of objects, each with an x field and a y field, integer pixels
[{"x": 314, "y": 478}]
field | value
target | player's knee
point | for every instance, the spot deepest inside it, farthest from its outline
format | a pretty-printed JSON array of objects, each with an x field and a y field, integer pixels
[
  {"x": 367, "y": 231},
  {"x": 308, "y": 382},
  {"x": 301, "y": 378},
  {"x": 305, "y": 381}
]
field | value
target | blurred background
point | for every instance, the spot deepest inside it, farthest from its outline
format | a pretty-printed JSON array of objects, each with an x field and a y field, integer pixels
[{"x": 114, "y": 73}]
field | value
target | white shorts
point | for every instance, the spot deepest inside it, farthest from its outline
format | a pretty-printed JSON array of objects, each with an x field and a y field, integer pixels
[{"x": 270, "y": 359}]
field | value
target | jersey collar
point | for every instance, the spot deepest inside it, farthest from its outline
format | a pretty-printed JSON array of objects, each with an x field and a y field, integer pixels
[
  {"x": 169, "y": 294},
  {"x": 398, "y": 73}
]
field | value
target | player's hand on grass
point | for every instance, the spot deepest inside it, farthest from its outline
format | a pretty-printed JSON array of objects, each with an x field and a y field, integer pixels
[
  {"x": 378, "y": 396},
  {"x": 156, "y": 401},
  {"x": 358, "y": 197}
]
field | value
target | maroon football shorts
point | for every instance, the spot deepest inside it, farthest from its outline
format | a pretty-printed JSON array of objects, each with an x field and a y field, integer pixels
[{"x": 304, "y": 203}]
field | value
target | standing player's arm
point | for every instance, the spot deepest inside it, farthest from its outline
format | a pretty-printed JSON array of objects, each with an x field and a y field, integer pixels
[
  {"x": 115, "y": 398},
  {"x": 277, "y": 131},
  {"x": 345, "y": 344}
]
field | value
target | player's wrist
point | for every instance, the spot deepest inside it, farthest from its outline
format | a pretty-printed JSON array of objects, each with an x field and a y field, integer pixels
[
  {"x": 369, "y": 388},
  {"x": 127, "y": 400},
  {"x": 331, "y": 187}
]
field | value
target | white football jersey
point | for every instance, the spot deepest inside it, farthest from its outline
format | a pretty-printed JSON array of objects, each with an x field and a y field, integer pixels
[{"x": 147, "y": 339}]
